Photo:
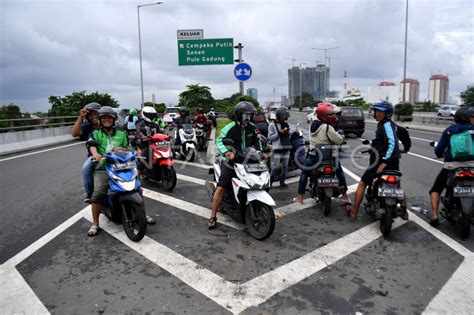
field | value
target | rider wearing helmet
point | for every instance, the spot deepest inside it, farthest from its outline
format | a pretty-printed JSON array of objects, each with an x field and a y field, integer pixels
[
  {"x": 147, "y": 127},
  {"x": 130, "y": 126},
  {"x": 201, "y": 118},
  {"x": 384, "y": 154},
  {"x": 86, "y": 123},
  {"x": 279, "y": 137},
  {"x": 102, "y": 141},
  {"x": 183, "y": 119},
  {"x": 243, "y": 134},
  {"x": 462, "y": 119},
  {"x": 322, "y": 132}
]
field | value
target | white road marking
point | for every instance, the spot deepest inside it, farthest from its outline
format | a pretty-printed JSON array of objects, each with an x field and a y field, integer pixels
[
  {"x": 189, "y": 207},
  {"x": 17, "y": 297},
  {"x": 41, "y": 151},
  {"x": 185, "y": 163},
  {"x": 456, "y": 296},
  {"x": 426, "y": 158},
  {"x": 421, "y": 139},
  {"x": 191, "y": 179}
]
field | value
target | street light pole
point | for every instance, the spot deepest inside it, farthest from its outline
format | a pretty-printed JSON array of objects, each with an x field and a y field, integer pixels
[
  {"x": 140, "y": 46},
  {"x": 405, "y": 59}
]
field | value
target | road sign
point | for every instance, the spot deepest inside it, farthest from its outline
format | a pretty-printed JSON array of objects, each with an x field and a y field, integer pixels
[
  {"x": 242, "y": 71},
  {"x": 216, "y": 51},
  {"x": 190, "y": 34}
]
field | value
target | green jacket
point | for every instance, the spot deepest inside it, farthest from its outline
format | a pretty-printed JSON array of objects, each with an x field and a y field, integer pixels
[
  {"x": 105, "y": 142},
  {"x": 242, "y": 137}
]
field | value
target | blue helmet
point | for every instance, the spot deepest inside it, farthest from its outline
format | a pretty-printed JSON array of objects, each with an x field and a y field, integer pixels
[{"x": 384, "y": 106}]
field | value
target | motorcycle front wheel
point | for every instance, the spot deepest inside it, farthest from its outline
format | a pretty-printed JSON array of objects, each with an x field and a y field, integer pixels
[
  {"x": 260, "y": 220},
  {"x": 133, "y": 220},
  {"x": 386, "y": 220},
  {"x": 168, "y": 177},
  {"x": 465, "y": 225}
]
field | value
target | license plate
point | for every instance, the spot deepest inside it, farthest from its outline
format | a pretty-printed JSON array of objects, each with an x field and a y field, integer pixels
[
  {"x": 390, "y": 192},
  {"x": 256, "y": 167},
  {"x": 122, "y": 166},
  {"x": 328, "y": 182},
  {"x": 163, "y": 144},
  {"x": 463, "y": 191}
]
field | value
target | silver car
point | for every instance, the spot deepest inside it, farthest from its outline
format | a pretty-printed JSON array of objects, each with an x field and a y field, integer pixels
[{"x": 447, "y": 110}]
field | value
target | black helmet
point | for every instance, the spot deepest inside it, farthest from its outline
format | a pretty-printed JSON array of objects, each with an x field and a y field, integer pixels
[
  {"x": 462, "y": 115},
  {"x": 93, "y": 106},
  {"x": 199, "y": 110},
  {"x": 107, "y": 111},
  {"x": 244, "y": 111},
  {"x": 282, "y": 112},
  {"x": 183, "y": 109}
]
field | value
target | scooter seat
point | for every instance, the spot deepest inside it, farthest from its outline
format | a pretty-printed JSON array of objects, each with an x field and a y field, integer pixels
[{"x": 391, "y": 172}]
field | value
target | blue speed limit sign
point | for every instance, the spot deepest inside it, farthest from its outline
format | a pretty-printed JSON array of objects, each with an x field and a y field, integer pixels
[{"x": 242, "y": 71}]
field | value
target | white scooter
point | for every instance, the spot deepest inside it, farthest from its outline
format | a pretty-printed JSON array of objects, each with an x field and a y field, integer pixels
[
  {"x": 248, "y": 203},
  {"x": 187, "y": 150}
]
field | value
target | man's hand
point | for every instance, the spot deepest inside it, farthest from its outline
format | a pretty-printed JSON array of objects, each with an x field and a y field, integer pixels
[
  {"x": 284, "y": 131},
  {"x": 265, "y": 157},
  {"x": 96, "y": 156},
  {"x": 404, "y": 151},
  {"x": 381, "y": 167},
  {"x": 229, "y": 155},
  {"x": 83, "y": 113}
]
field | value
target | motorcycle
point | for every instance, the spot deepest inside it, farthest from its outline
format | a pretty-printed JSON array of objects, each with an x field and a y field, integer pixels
[
  {"x": 187, "y": 150},
  {"x": 457, "y": 203},
  {"x": 297, "y": 152},
  {"x": 384, "y": 198},
  {"x": 161, "y": 168},
  {"x": 124, "y": 202},
  {"x": 323, "y": 182},
  {"x": 202, "y": 136},
  {"x": 212, "y": 116},
  {"x": 249, "y": 202}
]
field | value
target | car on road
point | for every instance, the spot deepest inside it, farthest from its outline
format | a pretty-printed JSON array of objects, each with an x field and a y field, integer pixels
[
  {"x": 311, "y": 116},
  {"x": 271, "y": 114},
  {"x": 170, "y": 114},
  {"x": 351, "y": 120},
  {"x": 447, "y": 110},
  {"x": 307, "y": 109}
]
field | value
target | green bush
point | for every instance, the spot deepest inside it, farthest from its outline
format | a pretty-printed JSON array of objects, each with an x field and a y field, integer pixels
[{"x": 404, "y": 109}]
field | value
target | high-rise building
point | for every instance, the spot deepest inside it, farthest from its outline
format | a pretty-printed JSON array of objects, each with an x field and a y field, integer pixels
[
  {"x": 385, "y": 91},
  {"x": 311, "y": 80},
  {"x": 412, "y": 90},
  {"x": 253, "y": 92},
  {"x": 438, "y": 90}
]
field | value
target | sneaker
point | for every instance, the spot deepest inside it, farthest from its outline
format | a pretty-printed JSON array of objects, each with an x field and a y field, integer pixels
[
  {"x": 284, "y": 185},
  {"x": 87, "y": 200}
]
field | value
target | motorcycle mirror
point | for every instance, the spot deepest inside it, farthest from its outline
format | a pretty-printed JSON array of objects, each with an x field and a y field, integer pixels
[{"x": 365, "y": 141}]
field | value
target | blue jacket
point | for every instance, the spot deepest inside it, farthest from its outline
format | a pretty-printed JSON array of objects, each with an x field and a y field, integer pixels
[
  {"x": 385, "y": 142},
  {"x": 444, "y": 146}
]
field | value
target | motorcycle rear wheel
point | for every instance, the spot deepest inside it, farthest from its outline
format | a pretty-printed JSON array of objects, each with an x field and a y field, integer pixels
[
  {"x": 134, "y": 221},
  {"x": 260, "y": 220},
  {"x": 386, "y": 220},
  {"x": 325, "y": 203},
  {"x": 168, "y": 177}
]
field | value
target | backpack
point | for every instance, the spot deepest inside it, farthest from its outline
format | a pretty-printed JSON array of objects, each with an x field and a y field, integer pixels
[
  {"x": 404, "y": 136},
  {"x": 462, "y": 145}
]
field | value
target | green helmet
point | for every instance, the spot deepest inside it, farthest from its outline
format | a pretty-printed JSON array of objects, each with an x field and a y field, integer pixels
[{"x": 133, "y": 112}]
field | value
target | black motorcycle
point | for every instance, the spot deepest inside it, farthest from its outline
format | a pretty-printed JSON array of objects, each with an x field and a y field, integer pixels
[{"x": 457, "y": 203}]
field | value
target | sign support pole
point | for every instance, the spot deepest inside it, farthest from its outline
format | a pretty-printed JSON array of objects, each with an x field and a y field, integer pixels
[{"x": 240, "y": 60}]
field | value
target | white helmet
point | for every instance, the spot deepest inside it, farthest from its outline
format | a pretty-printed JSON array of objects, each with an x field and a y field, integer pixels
[{"x": 148, "y": 114}]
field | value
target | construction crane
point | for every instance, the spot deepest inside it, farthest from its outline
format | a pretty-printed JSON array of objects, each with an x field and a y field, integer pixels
[
  {"x": 325, "y": 52},
  {"x": 293, "y": 60}
]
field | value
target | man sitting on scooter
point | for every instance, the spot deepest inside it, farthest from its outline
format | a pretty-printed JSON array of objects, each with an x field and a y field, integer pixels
[
  {"x": 384, "y": 154},
  {"x": 279, "y": 136},
  {"x": 102, "y": 141},
  {"x": 462, "y": 120},
  {"x": 147, "y": 127},
  {"x": 183, "y": 119},
  {"x": 243, "y": 133},
  {"x": 201, "y": 118},
  {"x": 322, "y": 132}
]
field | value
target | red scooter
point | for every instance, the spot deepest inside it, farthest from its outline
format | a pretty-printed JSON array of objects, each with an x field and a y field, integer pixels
[{"x": 161, "y": 168}]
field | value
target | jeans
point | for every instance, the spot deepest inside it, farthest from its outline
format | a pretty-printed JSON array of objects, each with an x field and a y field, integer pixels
[
  {"x": 277, "y": 159},
  {"x": 309, "y": 162},
  {"x": 88, "y": 176}
]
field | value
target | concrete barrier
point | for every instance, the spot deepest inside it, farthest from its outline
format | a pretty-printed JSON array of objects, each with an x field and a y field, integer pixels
[{"x": 13, "y": 142}]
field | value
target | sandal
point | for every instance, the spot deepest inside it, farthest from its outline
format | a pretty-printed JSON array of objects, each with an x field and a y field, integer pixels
[
  {"x": 93, "y": 230},
  {"x": 212, "y": 224},
  {"x": 150, "y": 220}
]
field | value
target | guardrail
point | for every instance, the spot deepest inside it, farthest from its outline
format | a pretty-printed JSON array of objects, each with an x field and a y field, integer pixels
[{"x": 20, "y": 124}]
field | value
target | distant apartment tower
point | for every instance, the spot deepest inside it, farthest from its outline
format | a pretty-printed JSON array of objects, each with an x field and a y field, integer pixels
[
  {"x": 412, "y": 90},
  {"x": 314, "y": 81},
  {"x": 252, "y": 92},
  {"x": 385, "y": 91},
  {"x": 438, "y": 89}
]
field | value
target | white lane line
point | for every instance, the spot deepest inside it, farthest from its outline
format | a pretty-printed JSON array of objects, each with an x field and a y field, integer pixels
[
  {"x": 351, "y": 174},
  {"x": 189, "y": 207},
  {"x": 261, "y": 288},
  {"x": 17, "y": 297},
  {"x": 426, "y": 158},
  {"x": 199, "y": 278},
  {"x": 461, "y": 250},
  {"x": 288, "y": 181},
  {"x": 18, "y": 258},
  {"x": 184, "y": 163},
  {"x": 41, "y": 151},
  {"x": 421, "y": 139},
  {"x": 194, "y": 180},
  {"x": 456, "y": 296}
]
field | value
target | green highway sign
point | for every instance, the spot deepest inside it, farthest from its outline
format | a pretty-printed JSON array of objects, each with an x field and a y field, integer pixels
[{"x": 215, "y": 51}]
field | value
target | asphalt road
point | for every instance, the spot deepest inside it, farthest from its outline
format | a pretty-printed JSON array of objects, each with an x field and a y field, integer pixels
[{"x": 310, "y": 264}]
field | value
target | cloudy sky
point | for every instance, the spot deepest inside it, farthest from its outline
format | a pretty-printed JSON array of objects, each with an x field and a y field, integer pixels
[{"x": 56, "y": 47}]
